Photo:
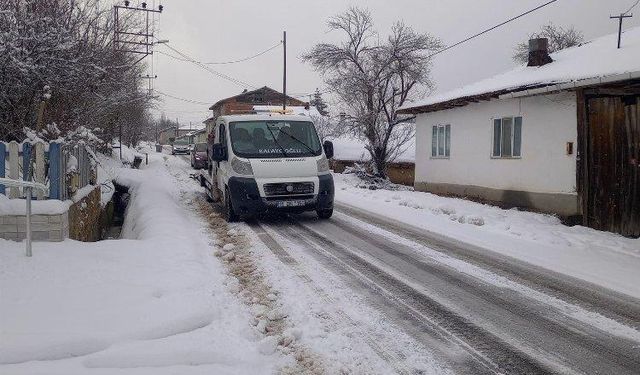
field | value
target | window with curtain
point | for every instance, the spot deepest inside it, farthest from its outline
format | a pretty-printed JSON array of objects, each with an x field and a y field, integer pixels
[
  {"x": 507, "y": 137},
  {"x": 441, "y": 141}
]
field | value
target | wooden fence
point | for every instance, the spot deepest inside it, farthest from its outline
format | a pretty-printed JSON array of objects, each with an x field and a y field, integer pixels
[{"x": 62, "y": 167}]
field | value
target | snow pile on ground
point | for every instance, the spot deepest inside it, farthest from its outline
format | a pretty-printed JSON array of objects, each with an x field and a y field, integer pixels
[
  {"x": 604, "y": 258},
  {"x": 154, "y": 302},
  {"x": 44, "y": 207}
]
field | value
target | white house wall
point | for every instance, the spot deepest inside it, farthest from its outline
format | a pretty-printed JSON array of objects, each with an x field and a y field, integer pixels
[{"x": 544, "y": 169}]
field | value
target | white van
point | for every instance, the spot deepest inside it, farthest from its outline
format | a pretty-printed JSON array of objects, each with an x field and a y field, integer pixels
[{"x": 268, "y": 162}]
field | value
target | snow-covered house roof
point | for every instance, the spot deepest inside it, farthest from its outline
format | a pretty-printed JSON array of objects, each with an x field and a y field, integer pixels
[{"x": 591, "y": 63}]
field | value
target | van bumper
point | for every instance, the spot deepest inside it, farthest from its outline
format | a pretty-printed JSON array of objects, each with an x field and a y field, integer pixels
[{"x": 246, "y": 199}]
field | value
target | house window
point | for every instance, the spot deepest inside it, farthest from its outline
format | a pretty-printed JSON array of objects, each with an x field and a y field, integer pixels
[
  {"x": 441, "y": 141},
  {"x": 507, "y": 137}
]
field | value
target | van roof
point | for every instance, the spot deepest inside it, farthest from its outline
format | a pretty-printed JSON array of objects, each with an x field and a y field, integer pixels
[{"x": 265, "y": 117}]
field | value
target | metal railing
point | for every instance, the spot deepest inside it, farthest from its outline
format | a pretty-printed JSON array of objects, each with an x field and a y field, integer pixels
[{"x": 28, "y": 189}]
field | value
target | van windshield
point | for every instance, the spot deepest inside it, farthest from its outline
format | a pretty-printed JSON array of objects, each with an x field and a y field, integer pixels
[{"x": 274, "y": 139}]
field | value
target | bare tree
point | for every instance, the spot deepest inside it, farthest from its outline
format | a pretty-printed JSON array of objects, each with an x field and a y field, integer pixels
[
  {"x": 372, "y": 78},
  {"x": 327, "y": 127},
  {"x": 559, "y": 39},
  {"x": 61, "y": 53}
]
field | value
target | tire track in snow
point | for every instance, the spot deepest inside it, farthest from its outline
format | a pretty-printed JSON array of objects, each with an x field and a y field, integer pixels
[
  {"x": 489, "y": 353},
  {"x": 252, "y": 287},
  {"x": 390, "y": 357},
  {"x": 578, "y": 292},
  {"x": 596, "y": 350}
]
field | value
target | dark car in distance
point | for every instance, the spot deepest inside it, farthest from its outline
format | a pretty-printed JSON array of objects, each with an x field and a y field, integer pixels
[{"x": 199, "y": 156}]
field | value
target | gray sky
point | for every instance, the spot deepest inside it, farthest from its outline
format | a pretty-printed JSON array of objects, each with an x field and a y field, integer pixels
[{"x": 223, "y": 30}]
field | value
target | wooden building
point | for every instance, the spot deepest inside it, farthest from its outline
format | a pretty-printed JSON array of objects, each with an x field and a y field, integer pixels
[{"x": 246, "y": 100}]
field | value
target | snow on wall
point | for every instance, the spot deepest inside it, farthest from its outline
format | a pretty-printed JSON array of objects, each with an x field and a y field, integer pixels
[{"x": 548, "y": 122}]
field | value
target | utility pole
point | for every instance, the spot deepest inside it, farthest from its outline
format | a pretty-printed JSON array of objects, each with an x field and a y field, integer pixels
[
  {"x": 133, "y": 42},
  {"x": 620, "y": 18},
  {"x": 149, "y": 85},
  {"x": 284, "y": 75}
]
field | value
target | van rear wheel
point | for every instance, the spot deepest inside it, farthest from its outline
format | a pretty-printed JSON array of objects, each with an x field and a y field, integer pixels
[{"x": 325, "y": 214}]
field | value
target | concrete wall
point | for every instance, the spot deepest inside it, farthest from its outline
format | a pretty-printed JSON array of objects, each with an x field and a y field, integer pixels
[
  {"x": 544, "y": 170},
  {"x": 82, "y": 222},
  {"x": 43, "y": 227}
]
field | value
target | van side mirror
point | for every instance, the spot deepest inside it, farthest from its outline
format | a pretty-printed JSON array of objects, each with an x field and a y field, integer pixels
[
  {"x": 219, "y": 152},
  {"x": 328, "y": 149}
]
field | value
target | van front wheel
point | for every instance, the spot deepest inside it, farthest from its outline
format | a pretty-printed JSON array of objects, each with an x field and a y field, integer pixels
[
  {"x": 325, "y": 214},
  {"x": 229, "y": 212}
]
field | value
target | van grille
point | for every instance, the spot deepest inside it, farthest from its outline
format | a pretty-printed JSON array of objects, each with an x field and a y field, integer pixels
[{"x": 288, "y": 188}]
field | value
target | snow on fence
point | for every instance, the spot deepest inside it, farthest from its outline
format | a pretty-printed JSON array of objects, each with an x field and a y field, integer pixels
[{"x": 63, "y": 168}]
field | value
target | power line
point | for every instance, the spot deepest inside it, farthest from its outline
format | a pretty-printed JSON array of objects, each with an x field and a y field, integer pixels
[
  {"x": 246, "y": 58},
  {"x": 493, "y": 28},
  {"x": 182, "y": 99},
  {"x": 226, "y": 62},
  {"x": 633, "y": 6},
  {"x": 208, "y": 69}
]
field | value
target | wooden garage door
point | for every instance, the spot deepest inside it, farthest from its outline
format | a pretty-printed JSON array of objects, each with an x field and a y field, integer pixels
[{"x": 611, "y": 184}]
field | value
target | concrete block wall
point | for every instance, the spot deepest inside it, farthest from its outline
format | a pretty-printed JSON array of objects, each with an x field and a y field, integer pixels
[
  {"x": 81, "y": 222},
  {"x": 43, "y": 227}
]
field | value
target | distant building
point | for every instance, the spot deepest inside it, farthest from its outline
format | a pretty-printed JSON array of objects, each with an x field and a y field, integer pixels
[
  {"x": 561, "y": 135},
  {"x": 245, "y": 101}
]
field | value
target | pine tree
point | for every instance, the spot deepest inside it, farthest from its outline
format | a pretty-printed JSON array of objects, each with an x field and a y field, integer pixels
[{"x": 319, "y": 103}]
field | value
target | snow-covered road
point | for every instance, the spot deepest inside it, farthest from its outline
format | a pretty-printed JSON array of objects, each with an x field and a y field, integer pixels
[
  {"x": 409, "y": 300},
  {"x": 466, "y": 316},
  {"x": 362, "y": 293}
]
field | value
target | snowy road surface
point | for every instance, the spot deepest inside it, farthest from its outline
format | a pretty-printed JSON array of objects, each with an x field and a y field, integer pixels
[
  {"x": 425, "y": 302},
  {"x": 469, "y": 316},
  {"x": 390, "y": 284}
]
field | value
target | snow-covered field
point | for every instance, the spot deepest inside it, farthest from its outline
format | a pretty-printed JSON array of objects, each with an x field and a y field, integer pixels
[
  {"x": 603, "y": 258},
  {"x": 154, "y": 302}
]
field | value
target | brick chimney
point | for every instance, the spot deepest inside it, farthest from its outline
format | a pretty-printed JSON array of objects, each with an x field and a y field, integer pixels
[{"x": 539, "y": 52}]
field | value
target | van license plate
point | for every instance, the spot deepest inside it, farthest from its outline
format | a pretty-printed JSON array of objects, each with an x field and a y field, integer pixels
[{"x": 294, "y": 203}]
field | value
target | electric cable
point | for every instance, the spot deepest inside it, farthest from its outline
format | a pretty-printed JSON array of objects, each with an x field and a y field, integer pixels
[
  {"x": 208, "y": 69},
  {"x": 492, "y": 28}
]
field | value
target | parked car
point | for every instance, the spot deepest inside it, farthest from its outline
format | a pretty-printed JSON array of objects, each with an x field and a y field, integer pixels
[
  {"x": 180, "y": 146},
  {"x": 199, "y": 156}
]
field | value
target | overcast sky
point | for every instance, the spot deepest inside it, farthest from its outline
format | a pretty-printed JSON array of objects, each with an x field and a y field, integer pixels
[{"x": 223, "y": 30}]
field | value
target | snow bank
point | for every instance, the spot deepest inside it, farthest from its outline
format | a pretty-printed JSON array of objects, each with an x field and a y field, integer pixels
[
  {"x": 44, "y": 207},
  {"x": 603, "y": 258},
  {"x": 154, "y": 300}
]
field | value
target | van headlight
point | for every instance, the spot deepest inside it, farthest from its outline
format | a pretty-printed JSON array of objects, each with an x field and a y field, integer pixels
[
  {"x": 241, "y": 167},
  {"x": 323, "y": 164}
]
